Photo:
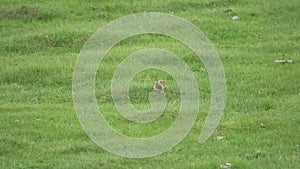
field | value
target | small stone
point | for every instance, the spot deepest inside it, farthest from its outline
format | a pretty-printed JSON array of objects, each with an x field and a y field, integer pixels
[
  {"x": 34, "y": 100},
  {"x": 262, "y": 125},
  {"x": 101, "y": 15},
  {"x": 235, "y": 18},
  {"x": 226, "y": 165},
  {"x": 219, "y": 138},
  {"x": 284, "y": 61}
]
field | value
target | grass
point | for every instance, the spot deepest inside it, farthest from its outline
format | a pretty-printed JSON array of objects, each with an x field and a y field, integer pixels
[{"x": 40, "y": 42}]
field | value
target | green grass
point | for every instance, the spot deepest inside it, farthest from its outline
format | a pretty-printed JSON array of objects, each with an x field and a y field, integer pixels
[{"x": 40, "y": 42}]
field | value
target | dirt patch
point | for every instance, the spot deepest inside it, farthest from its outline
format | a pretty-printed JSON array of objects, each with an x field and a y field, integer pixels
[{"x": 22, "y": 12}]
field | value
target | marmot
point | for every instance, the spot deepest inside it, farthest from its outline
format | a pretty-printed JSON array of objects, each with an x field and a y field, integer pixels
[{"x": 159, "y": 86}]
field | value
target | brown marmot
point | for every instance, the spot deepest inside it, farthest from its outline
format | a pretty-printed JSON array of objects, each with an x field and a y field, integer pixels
[{"x": 159, "y": 86}]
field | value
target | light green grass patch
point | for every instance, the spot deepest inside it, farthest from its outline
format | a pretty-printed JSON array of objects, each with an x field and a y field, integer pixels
[{"x": 40, "y": 42}]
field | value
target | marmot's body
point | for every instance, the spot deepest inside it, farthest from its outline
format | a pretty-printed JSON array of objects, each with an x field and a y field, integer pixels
[{"x": 159, "y": 86}]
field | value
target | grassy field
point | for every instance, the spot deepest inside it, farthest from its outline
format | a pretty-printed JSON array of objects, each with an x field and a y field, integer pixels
[{"x": 41, "y": 40}]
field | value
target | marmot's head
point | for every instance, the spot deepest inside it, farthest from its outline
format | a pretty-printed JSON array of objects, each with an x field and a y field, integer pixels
[{"x": 162, "y": 82}]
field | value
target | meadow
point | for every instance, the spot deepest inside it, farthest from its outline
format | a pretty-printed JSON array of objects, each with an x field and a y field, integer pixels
[{"x": 40, "y": 42}]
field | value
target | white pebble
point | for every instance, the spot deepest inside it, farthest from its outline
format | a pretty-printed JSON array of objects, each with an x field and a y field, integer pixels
[
  {"x": 225, "y": 165},
  {"x": 235, "y": 18}
]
